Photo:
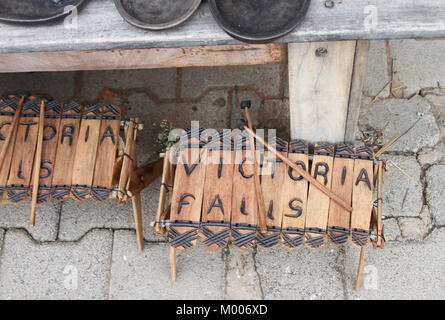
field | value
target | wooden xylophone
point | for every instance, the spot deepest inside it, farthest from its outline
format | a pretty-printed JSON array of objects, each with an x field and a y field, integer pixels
[
  {"x": 67, "y": 150},
  {"x": 212, "y": 194}
]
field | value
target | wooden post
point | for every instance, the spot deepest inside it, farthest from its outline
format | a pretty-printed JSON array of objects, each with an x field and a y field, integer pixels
[
  {"x": 379, "y": 204},
  {"x": 173, "y": 263},
  {"x": 162, "y": 195},
  {"x": 37, "y": 163},
  {"x": 360, "y": 268},
  {"x": 325, "y": 83}
]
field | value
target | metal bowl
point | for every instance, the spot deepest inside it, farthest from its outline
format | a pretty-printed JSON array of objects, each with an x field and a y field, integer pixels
[
  {"x": 156, "y": 14},
  {"x": 258, "y": 21},
  {"x": 35, "y": 10}
]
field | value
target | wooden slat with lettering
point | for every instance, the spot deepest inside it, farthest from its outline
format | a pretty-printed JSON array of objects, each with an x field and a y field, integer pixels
[
  {"x": 244, "y": 204},
  {"x": 53, "y": 112},
  {"x": 8, "y": 108},
  {"x": 217, "y": 201},
  {"x": 342, "y": 176},
  {"x": 86, "y": 151},
  {"x": 23, "y": 155},
  {"x": 318, "y": 202},
  {"x": 187, "y": 195},
  {"x": 294, "y": 199},
  {"x": 272, "y": 182},
  {"x": 66, "y": 151},
  {"x": 362, "y": 196},
  {"x": 106, "y": 153}
]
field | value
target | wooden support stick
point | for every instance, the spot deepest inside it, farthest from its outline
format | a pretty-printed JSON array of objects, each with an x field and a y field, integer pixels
[
  {"x": 360, "y": 269},
  {"x": 302, "y": 172},
  {"x": 126, "y": 163},
  {"x": 258, "y": 189},
  {"x": 173, "y": 263},
  {"x": 37, "y": 164},
  {"x": 12, "y": 132},
  {"x": 162, "y": 195},
  {"x": 379, "y": 204}
]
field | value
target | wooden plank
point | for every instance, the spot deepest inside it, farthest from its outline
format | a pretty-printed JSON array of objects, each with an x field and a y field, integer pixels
[
  {"x": 362, "y": 201},
  {"x": 53, "y": 113},
  {"x": 150, "y": 58},
  {"x": 273, "y": 176},
  {"x": 8, "y": 108},
  {"x": 23, "y": 156},
  {"x": 355, "y": 98},
  {"x": 295, "y": 197},
  {"x": 244, "y": 205},
  {"x": 106, "y": 153},
  {"x": 319, "y": 85},
  {"x": 188, "y": 193},
  {"x": 86, "y": 152},
  {"x": 99, "y": 26},
  {"x": 217, "y": 201},
  {"x": 66, "y": 151},
  {"x": 318, "y": 203},
  {"x": 342, "y": 180}
]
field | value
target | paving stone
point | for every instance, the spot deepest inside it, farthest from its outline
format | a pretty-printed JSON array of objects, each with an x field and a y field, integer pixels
[
  {"x": 210, "y": 111},
  {"x": 376, "y": 76},
  {"x": 242, "y": 280},
  {"x": 435, "y": 193},
  {"x": 299, "y": 274},
  {"x": 436, "y": 98},
  {"x": 160, "y": 82},
  {"x": 2, "y": 234},
  {"x": 419, "y": 63},
  {"x": 47, "y": 219},
  {"x": 264, "y": 78},
  {"x": 402, "y": 197},
  {"x": 413, "y": 229},
  {"x": 392, "y": 230},
  {"x": 430, "y": 156},
  {"x": 58, "y": 85},
  {"x": 79, "y": 218},
  {"x": 48, "y": 270},
  {"x": 395, "y": 116},
  {"x": 400, "y": 271},
  {"x": 146, "y": 275}
]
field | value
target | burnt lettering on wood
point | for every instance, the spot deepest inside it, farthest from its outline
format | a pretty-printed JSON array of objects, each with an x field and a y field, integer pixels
[
  {"x": 28, "y": 124},
  {"x": 43, "y": 166},
  {"x": 5, "y": 123},
  {"x": 189, "y": 170},
  {"x": 67, "y": 131},
  {"x": 363, "y": 177},
  {"x": 270, "y": 211},
  {"x": 324, "y": 173},
  {"x": 241, "y": 169},
  {"x": 52, "y": 134},
  {"x": 295, "y": 207},
  {"x": 182, "y": 201},
  {"x": 243, "y": 207},
  {"x": 108, "y": 134},
  {"x": 216, "y": 203},
  {"x": 291, "y": 171},
  {"x": 19, "y": 172}
]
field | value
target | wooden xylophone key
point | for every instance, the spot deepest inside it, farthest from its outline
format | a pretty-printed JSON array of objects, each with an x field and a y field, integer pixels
[
  {"x": 318, "y": 202},
  {"x": 244, "y": 205},
  {"x": 342, "y": 181},
  {"x": 217, "y": 201},
  {"x": 23, "y": 156},
  {"x": 53, "y": 112},
  {"x": 86, "y": 152},
  {"x": 106, "y": 153},
  {"x": 273, "y": 176},
  {"x": 66, "y": 151},
  {"x": 362, "y": 196},
  {"x": 294, "y": 200},
  {"x": 187, "y": 195},
  {"x": 8, "y": 109}
]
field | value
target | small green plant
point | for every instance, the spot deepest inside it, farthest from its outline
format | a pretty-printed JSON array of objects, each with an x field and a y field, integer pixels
[{"x": 162, "y": 140}]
